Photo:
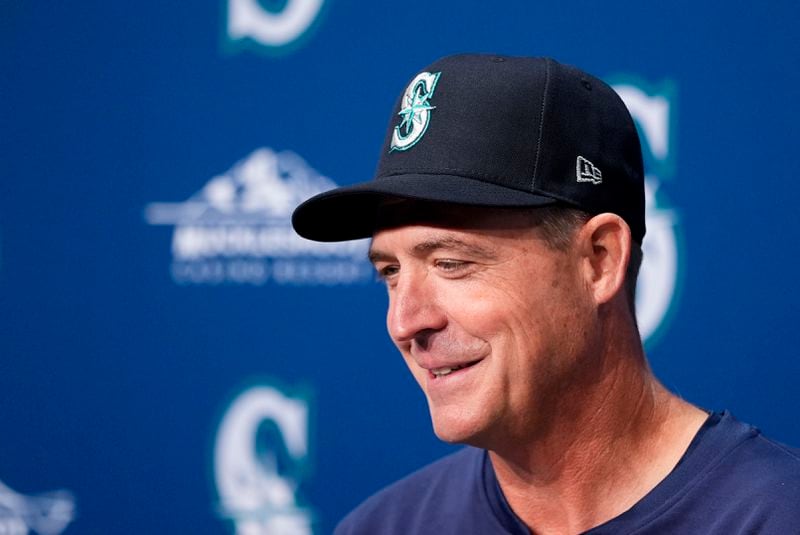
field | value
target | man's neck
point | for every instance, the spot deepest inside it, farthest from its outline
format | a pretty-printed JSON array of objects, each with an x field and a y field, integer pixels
[{"x": 600, "y": 458}]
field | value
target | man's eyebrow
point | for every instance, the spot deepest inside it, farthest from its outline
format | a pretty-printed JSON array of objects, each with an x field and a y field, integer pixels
[
  {"x": 455, "y": 244},
  {"x": 449, "y": 243},
  {"x": 375, "y": 256}
]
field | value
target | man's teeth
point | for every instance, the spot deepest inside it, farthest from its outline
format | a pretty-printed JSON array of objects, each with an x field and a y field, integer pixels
[{"x": 441, "y": 372}]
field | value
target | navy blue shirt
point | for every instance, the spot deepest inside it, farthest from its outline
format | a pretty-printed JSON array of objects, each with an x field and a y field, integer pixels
[{"x": 731, "y": 480}]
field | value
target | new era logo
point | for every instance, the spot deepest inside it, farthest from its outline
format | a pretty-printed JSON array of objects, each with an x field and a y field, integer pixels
[{"x": 587, "y": 172}]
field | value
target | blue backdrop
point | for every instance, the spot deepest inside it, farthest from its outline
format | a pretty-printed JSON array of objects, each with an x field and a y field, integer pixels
[{"x": 174, "y": 360}]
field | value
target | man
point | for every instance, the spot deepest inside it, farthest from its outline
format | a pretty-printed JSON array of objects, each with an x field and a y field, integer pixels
[{"x": 506, "y": 219}]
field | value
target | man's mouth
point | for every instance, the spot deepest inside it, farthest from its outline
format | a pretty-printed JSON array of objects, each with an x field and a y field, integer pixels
[{"x": 447, "y": 370}]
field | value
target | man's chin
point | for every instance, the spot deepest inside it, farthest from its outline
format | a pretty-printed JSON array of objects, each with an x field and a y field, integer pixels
[{"x": 458, "y": 430}]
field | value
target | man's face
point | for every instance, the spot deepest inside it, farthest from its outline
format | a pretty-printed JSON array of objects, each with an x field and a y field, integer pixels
[{"x": 491, "y": 321}]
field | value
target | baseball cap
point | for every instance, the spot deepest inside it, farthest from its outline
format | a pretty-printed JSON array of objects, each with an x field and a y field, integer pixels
[{"x": 495, "y": 131}]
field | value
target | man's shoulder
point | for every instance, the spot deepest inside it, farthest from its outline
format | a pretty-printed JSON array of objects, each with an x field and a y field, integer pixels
[
  {"x": 432, "y": 491},
  {"x": 744, "y": 483},
  {"x": 754, "y": 487},
  {"x": 453, "y": 470},
  {"x": 765, "y": 468},
  {"x": 732, "y": 480},
  {"x": 757, "y": 459}
]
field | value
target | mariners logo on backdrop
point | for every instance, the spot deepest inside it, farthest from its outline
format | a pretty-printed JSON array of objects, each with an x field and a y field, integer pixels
[
  {"x": 237, "y": 228},
  {"x": 260, "y": 456},
  {"x": 272, "y": 25},
  {"x": 45, "y": 514},
  {"x": 657, "y": 287},
  {"x": 415, "y": 111}
]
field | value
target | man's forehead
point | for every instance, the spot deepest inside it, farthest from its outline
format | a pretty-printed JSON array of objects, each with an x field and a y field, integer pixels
[{"x": 396, "y": 213}]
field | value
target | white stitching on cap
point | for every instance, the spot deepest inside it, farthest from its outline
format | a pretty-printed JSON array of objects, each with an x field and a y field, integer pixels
[{"x": 541, "y": 123}]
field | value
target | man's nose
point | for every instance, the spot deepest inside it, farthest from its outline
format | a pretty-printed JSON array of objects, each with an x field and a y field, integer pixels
[{"x": 414, "y": 312}]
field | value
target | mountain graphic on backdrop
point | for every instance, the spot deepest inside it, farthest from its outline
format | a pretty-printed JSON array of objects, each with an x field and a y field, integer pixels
[{"x": 266, "y": 185}]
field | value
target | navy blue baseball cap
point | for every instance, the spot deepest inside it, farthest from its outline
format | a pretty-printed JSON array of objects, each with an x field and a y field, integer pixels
[{"x": 495, "y": 131}]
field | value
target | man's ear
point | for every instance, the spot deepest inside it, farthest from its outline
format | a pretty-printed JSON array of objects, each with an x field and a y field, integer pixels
[{"x": 605, "y": 246}]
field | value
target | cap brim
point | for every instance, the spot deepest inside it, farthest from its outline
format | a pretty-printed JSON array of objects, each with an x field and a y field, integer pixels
[{"x": 350, "y": 212}]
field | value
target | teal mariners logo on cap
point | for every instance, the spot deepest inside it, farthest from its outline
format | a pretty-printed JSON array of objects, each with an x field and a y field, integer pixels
[{"x": 415, "y": 111}]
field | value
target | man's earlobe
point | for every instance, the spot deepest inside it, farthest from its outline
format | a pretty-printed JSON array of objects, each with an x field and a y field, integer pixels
[{"x": 606, "y": 244}]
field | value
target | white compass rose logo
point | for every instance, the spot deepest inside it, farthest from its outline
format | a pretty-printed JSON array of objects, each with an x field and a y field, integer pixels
[{"x": 416, "y": 111}]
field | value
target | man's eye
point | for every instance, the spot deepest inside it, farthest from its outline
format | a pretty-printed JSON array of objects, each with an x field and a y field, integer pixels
[
  {"x": 450, "y": 265},
  {"x": 386, "y": 272}
]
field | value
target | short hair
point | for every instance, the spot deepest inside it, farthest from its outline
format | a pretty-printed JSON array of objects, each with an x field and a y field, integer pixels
[{"x": 558, "y": 225}]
